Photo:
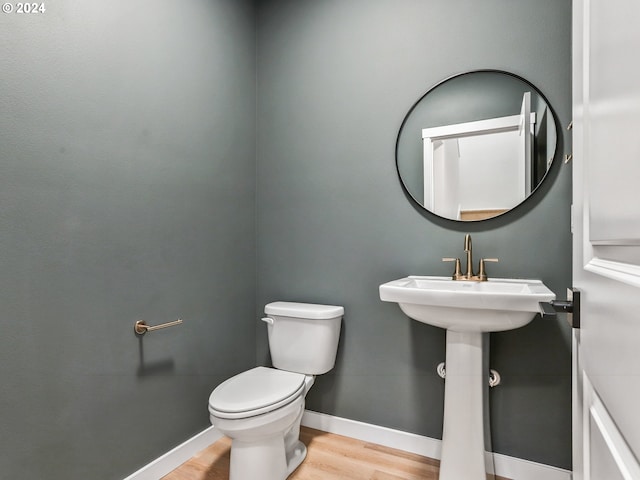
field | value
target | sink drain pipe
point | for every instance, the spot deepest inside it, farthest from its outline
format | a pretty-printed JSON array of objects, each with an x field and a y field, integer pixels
[{"x": 494, "y": 376}]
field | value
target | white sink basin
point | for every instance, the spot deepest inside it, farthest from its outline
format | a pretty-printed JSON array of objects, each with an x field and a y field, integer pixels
[{"x": 491, "y": 306}]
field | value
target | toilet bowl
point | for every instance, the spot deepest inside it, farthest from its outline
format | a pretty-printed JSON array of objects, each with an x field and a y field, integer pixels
[{"x": 261, "y": 409}]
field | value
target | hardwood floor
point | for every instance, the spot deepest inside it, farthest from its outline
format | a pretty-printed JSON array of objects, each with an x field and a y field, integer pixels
[{"x": 329, "y": 457}]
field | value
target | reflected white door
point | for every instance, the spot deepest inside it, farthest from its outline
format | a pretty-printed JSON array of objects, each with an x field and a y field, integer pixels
[
  {"x": 479, "y": 166},
  {"x": 606, "y": 227},
  {"x": 524, "y": 133}
]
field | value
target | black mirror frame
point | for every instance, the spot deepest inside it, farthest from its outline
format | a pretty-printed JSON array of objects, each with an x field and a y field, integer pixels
[{"x": 533, "y": 191}]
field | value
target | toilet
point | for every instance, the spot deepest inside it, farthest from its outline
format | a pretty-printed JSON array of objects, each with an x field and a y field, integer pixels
[{"x": 260, "y": 409}]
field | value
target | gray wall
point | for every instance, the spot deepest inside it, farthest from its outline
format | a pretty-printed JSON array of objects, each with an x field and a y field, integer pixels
[
  {"x": 127, "y": 191},
  {"x": 335, "y": 80}
]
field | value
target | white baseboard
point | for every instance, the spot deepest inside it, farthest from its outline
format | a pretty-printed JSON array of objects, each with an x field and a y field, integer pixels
[
  {"x": 521, "y": 469},
  {"x": 409, "y": 442},
  {"x": 505, "y": 466},
  {"x": 510, "y": 467},
  {"x": 177, "y": 456}
]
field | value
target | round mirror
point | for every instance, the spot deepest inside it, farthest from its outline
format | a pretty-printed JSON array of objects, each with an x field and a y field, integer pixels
[{"x": 476, "y": 145}]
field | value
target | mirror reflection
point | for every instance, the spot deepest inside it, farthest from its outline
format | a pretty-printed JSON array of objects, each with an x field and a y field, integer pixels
[{"x": 476, "y": 145}]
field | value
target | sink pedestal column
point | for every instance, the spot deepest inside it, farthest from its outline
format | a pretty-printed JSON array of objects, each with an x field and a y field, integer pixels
[{"x": 463, "y": 449}]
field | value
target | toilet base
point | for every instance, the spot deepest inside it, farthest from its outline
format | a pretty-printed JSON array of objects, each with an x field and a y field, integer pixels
[
  {"x": 264, "y": 461},
  {"x": 267, "y": 446},
  {"x": 296, "y": 457}
]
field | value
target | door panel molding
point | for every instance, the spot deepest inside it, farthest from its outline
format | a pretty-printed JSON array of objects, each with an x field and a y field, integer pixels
[
  {"x": 597, "y": 417},
  {"x": 622, "y": 272}
]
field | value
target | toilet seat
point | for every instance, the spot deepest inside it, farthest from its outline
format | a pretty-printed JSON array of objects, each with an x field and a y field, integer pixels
[{"x": 254, "y": 392}]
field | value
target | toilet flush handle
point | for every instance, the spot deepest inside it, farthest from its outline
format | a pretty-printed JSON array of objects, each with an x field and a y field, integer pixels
[{"x": 268, "y": 320}]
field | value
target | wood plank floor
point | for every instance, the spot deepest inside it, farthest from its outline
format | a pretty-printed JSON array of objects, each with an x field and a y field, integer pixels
[{"x": 329, "y": 457}]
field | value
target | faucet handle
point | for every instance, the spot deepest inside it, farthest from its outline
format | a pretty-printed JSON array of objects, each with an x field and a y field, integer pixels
[
  {"x": 482, "y": 275},
  {"x": 457, "y": 274}
]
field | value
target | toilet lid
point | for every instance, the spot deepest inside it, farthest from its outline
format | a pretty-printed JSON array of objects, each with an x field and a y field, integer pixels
[{"x": 256, "y": 389}]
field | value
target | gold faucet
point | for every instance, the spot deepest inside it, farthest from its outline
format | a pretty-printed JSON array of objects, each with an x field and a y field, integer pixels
[
  {"x": 469, "y": 275},
  {"x": 468, "y": 249}
]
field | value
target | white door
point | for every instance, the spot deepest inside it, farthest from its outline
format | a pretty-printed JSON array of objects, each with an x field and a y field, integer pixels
[{"x": 606, "y": 227}]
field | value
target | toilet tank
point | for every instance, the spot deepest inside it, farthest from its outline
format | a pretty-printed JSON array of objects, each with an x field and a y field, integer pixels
[{"x": 303, "y": 337}]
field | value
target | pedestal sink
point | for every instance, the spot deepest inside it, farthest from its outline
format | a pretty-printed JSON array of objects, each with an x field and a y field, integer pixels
[{"x": 467, "y": 310}]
